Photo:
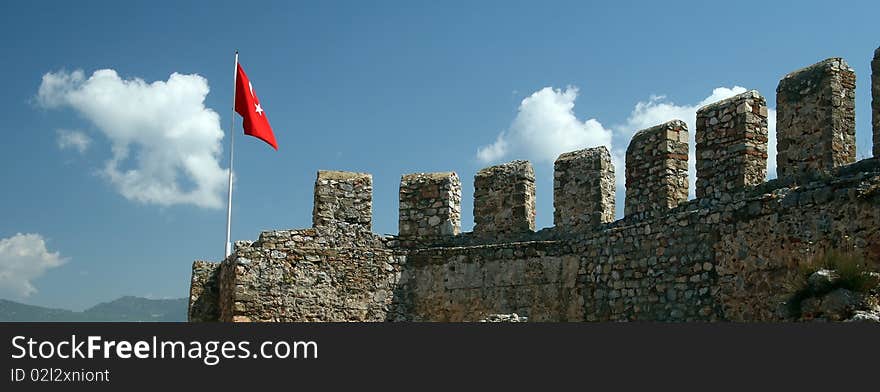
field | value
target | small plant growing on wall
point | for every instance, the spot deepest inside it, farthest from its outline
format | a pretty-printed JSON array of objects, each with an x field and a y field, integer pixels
[{"x": 832, "y": 272}]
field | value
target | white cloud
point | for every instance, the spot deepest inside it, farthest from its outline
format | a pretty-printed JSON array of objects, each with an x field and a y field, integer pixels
[
  {"x": 658, "y": 110},
  {"x": 24, "y": 257},
  {"x": 75, "y": 140},
  {"x": 544, "y": 127},
  {"x": 494, "y": 151},
  {"x": 165, "y": 143}
]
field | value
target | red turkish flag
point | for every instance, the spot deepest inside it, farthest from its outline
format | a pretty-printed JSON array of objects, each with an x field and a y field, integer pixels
[{"x": 248, "y": 106}]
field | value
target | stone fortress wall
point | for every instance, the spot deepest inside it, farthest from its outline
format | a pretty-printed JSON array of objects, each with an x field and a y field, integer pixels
[{"x": 723, "y": 256}]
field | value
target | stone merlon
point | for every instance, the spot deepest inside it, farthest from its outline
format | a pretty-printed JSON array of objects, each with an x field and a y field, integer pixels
[
  {"x": 430, "y": 205},
  {"x": 343, "y": 198},
  {"x": 731, "y": 150},
  {"x": 504, "y": 198},
  {"x": 656, "y": 169},
  {"x": 583, "y": 189},
  {"x": 815, "y": 119}
]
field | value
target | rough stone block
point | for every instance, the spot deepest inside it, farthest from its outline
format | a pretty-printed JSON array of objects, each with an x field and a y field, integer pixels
[
  {"x": 430, "y": 205},
  {"x": 731, "y": 144},
  {"x": 504, "y": 198},
  {"x": 343, "y": 198},
  {"x": 656, "y": 169},
  {"x": 583, "y": 189},
  {"x": 815, "y": 123},
  {"x": 875, "y": 101},
  {"x": 204, "y": 292}
]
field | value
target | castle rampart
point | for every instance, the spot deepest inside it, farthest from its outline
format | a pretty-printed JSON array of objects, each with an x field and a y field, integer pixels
[{"x": 726, "y": 255}]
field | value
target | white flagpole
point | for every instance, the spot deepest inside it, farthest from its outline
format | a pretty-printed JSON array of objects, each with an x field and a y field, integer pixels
[{"x": 231, "y": 151}]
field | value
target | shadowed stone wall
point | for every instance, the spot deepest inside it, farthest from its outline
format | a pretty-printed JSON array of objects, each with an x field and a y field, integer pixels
[
  {"x": 204, "y": 287},
  {"x": 537, "y": 279}
]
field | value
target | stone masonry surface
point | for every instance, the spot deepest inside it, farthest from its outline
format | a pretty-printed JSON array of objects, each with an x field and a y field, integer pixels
[
  {"x": 310, "y": 275},
  {"x": 875, "y": 100},
  {"x": 204, "y": 288},
  {"x": 583, "y": 189},
  {"x": 504, "y": 198},
  {"x": 656, "y": 169},
  {"x": 430, "y": 206},
  {"x": 731, "y": 144},
  {"x": 728, "y": 255},
  {"x": 816, "y": 125},
  {"x": 343, "y": 197}
]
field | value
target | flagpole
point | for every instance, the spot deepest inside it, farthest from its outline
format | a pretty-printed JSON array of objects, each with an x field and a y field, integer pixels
[{"x": 231, "y": 151}]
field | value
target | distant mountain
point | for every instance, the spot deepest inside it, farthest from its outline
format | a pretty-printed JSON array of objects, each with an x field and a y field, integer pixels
[
  {"x": 127, "y": 308},
  {"x": 139, "y": 309},
  {"x": 14, "y": 311}
]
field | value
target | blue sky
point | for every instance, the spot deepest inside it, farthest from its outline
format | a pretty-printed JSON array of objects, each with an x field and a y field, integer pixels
[{"x": 106, "y": 193}]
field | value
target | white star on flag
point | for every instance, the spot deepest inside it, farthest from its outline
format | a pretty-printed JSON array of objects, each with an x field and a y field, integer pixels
[{"x": 254, "y": 117}]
